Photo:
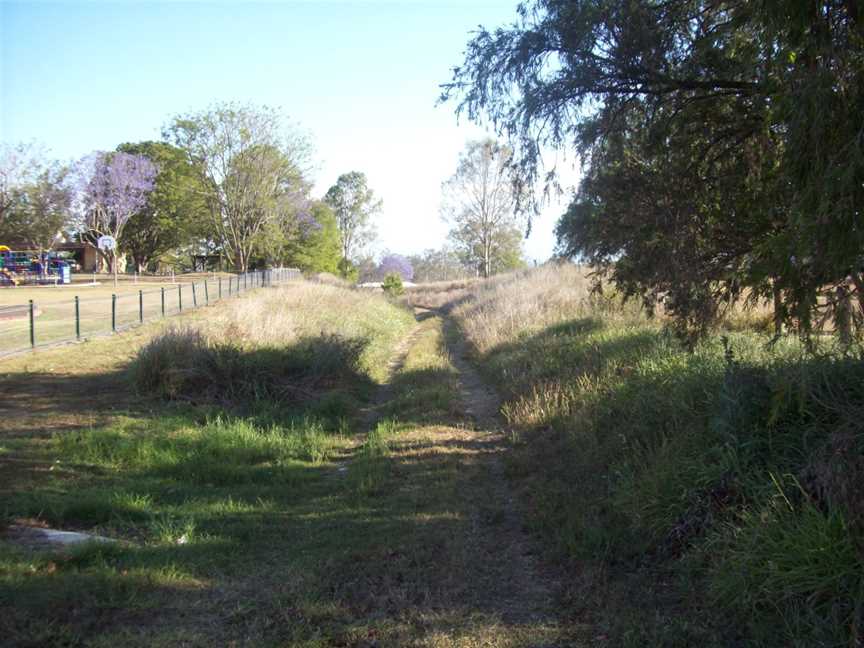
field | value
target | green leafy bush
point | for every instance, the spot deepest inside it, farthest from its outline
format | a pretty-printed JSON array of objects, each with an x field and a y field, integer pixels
[{"x": 392, "y": 284}]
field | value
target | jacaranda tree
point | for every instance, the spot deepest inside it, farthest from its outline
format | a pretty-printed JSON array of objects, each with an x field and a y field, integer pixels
[{"x": 112, "y": 187}]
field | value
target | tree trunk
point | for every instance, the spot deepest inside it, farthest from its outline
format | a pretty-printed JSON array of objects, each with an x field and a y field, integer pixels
[{"x": 778, "y": 311}]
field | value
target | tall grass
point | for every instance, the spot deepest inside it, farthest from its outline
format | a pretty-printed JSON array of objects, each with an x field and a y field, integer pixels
[
  {"x": 512, "y": 305},
  {"x": 723, "y": 484},
  {"x": 289, "y": 344}
]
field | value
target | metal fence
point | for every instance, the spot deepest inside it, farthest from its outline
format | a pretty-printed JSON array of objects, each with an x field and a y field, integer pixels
[{"x": 47, "y": 322}]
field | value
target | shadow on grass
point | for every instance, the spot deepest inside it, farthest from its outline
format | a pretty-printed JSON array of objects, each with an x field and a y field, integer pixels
[
  {"x": 237, "y": 524},
  {"x": 567, "y": 351}
]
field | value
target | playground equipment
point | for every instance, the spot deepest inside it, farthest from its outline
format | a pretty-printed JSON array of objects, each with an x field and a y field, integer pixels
[{"x": 17, "y": 268}]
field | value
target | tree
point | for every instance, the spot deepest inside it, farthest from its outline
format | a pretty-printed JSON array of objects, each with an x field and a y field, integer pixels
[
  {"x": 719, "y": 140},
  {"x": 317, "y": 246},
  {"x": 35, "y": 197},
  {"x": 355, "y": 205},
  {"x": 112, "y": 187},
  {"x": 439, "y": 265},
  {"x": 480, "y": 204},
  {"x": 16, "y": 167},
  {"x": 396, "y": 264},
  {"x": 252, "y": 167},
  {"x": 38, "y": 209},
  {"x": 175, "y": 212}
]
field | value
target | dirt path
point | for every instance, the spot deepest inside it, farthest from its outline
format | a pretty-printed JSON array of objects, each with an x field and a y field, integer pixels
[
  {"x": 532, "y": 591},
  {"x": 495, "y": 571},
  {"x": 371, "y": 413}
]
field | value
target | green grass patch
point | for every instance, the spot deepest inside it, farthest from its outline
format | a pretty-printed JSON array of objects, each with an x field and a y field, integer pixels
[{"x": 724, "y": 483}]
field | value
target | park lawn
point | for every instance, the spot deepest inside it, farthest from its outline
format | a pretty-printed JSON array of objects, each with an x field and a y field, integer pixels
[{"x": 54, "y": 319}]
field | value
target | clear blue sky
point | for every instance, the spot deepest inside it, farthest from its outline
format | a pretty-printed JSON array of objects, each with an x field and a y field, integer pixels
[{"x": 360, "y": 77}]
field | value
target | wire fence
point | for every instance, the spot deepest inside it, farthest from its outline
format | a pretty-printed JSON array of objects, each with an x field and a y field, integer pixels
[{"x": 48, "y": 322}]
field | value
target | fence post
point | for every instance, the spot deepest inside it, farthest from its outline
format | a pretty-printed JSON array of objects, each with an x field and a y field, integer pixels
[
  {"x": 180, "y": 297},
  {"x": 77, "y": 319},
  {"x": 32, "y": 325},
  {"x": 140, "y": 306},
  {"x": 206, "y": 294},
  {"x": 194, "y": 297},
  {"x": 113, "y": 313},
  {"x": 220, "y": 286},
  {"x": 163, "y": 301}
]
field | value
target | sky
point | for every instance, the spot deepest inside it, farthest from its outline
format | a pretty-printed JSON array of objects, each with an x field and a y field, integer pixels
[{"x": 362, "y": 79}]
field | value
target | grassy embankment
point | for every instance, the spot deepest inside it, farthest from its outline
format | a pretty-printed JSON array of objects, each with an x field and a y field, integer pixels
[
  {"x": 264, "y": 392},
  {"x": 710, "y": 498},
  {"x": 249, "y": 513}
]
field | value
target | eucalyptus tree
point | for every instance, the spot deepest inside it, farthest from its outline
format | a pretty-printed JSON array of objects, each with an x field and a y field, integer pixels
[
  {"x": 35, "y": 197},
  {"x": 39, "y": 210},
  {"x": 15, "y": 166},
  {"x": 355, "y": 205},
  {"x": 480, "y": 205},
  {"x": 252, "y": 166},
  {"x": 439, "y": 265}
]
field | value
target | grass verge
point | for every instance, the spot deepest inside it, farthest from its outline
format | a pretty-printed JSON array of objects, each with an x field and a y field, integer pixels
[{"x": 708, "y": 498}]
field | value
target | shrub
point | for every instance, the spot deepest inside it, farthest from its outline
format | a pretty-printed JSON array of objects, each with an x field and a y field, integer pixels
[
  {"x": 348, "y": 271},
  {"x": 392, "y": 284}
]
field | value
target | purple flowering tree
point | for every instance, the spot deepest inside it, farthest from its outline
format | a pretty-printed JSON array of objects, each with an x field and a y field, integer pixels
[
  {"x": 396, "y": 264},
  {"x": 112, "y": 187}
]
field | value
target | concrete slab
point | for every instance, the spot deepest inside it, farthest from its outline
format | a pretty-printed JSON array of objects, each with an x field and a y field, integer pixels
[{"x": 42, "y": 539}]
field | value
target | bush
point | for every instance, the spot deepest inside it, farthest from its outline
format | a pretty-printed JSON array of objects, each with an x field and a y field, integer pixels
[
  {"x": 739, "y": 467},
  {"x": 348, "y": 271},
  {"x": 392, "y": 284}
]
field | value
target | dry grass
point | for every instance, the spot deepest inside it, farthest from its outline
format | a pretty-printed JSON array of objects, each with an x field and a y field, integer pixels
[
  {"x": 330, "y": 279},
  {"x": 505, "y": 307},
  {"x": 695, "y": 485}
]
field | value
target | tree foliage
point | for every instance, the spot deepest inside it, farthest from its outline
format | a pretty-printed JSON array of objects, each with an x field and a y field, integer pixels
[
  {"x": 252, "y": 167},
  {"x": 19, "y": 164},
  {"x": 396, "y": 264},
  {"x": 112, "y": 188},
  {"x": 721, "y": 144},
  {"x": 439, "y": 265},
  {"x": 175, "y": 211},
  {"x": 36, "y": 199},
  {"x": 392, "y": 284},
  {"x": 355, "y": 205},
  {"x": 480, "y": 205},
  {"x": 317, "y": 247}
]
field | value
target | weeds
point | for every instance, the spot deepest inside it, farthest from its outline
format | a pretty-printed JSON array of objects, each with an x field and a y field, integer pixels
[
  {"x": 737, "y": 468},
  {"x": 261, "y": 350}
]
